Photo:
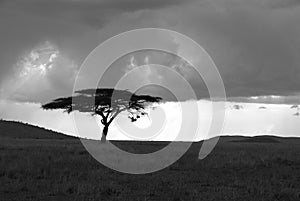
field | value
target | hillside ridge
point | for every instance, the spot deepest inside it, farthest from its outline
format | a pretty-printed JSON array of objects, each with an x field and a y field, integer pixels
[{"x": 21, "y": 130}]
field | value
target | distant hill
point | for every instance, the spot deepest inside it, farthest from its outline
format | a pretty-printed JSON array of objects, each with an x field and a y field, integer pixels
[
  {"x": 19, "y": 130},
  {"x": 259, "y": 139}
]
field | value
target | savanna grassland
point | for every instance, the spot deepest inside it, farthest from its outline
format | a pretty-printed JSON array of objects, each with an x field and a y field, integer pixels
[{"x": 33, "y": 167}]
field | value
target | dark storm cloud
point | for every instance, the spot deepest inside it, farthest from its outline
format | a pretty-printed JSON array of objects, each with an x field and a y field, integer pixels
[
  {"x": 277, "y": 4},
  {"x": 252, "y": 55},
  {"x": 105, "y": 4},
  {"x": 72, "y": 26},
  {"x": 255, "y": 47},
  {"x": 92, "y": 12}
]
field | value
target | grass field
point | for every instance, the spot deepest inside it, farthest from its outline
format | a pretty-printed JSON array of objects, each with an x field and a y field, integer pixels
[{"x": 238, "y": 169}]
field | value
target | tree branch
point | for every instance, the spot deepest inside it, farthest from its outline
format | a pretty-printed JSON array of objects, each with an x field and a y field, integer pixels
[{"x": 104, "y": 119}]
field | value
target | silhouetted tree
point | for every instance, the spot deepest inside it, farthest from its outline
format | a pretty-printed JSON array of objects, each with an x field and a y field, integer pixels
[{"x": 105, "y": 102}]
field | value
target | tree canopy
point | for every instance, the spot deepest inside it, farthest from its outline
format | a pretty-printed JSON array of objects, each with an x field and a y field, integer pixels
[{"x": 105, "y": 102}]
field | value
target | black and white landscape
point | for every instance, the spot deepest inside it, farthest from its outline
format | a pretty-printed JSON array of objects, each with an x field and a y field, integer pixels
[{"x": 59, "y": 91}]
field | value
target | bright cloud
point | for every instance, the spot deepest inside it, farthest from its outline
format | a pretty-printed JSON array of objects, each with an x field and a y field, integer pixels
[{"x": 37, "y": 73}]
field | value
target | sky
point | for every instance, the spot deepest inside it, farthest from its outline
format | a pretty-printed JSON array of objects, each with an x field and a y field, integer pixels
[{"x": 254, "y": 44}]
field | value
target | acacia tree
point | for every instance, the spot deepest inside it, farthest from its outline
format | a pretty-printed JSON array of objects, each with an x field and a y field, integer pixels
[{"x": 105, "y": 102}]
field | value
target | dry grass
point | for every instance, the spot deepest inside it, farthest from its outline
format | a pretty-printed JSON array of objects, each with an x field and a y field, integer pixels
[{"x": 62, "y": 170}]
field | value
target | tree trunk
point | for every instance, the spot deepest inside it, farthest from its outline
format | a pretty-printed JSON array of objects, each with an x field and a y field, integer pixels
[{"x": 104, "y": 134}]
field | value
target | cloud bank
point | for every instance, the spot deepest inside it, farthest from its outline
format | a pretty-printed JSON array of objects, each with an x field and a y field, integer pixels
[{"x": 255, "y": 44}]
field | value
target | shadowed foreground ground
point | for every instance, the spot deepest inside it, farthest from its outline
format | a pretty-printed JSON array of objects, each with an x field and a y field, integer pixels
[{"x": 237, "y": 169}]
